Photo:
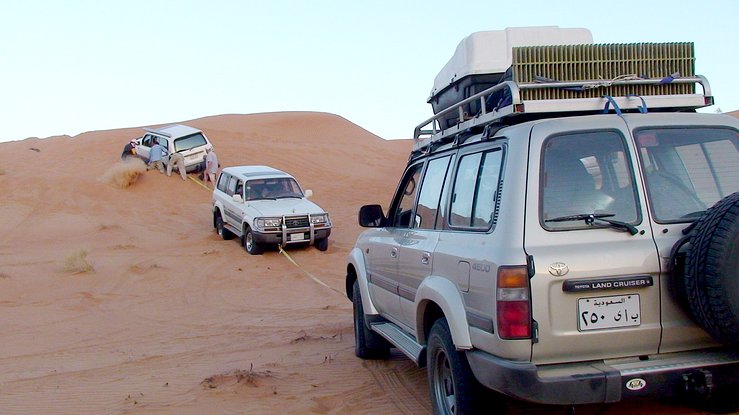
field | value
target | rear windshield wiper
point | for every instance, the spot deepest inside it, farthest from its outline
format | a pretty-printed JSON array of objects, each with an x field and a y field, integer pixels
[{"x": 590, "y": 218}]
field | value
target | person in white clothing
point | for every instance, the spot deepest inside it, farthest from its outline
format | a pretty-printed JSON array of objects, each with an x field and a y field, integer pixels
[{"x": 211, "y": 167}]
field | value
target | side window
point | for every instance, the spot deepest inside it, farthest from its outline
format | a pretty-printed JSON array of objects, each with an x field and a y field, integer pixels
[
  {"x": 428, "y": 199},
  {"x": 240, "y": 188},
  {"x": 223, "y": 182},
  {"x": 475, "y": 194},
  {"x": 231, "y": 189},
  {"x": 404, "y": 200}
]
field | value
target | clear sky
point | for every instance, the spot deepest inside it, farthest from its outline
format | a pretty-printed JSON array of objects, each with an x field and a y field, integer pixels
[{"x": 70, "y": 66}]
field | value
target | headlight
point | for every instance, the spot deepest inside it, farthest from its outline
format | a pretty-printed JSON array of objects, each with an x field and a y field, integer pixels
[
  {"x": 268, "y": 222},
  {"x": 319, "y": 219}
]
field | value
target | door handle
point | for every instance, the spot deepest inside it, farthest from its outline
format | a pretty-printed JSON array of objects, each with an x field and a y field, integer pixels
[
  {"x": 425, "y": 258},
  {"x": 394, "y": 253}
]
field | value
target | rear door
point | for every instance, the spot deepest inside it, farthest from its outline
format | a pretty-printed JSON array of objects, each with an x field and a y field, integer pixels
[
  {"x": 596, "y": 288},
  {"x": 689, "y": 162}
]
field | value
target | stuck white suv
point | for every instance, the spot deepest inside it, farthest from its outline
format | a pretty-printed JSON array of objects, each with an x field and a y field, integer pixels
[
  {"x": 549, "y": 248},
  {"x": 190, "y": 142},
  {"x": 264, "y": 207}
]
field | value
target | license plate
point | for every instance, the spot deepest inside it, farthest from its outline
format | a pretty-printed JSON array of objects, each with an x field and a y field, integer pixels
[
  {"x": 596, "y": 313},
  {"x": 297, "y": 236}
]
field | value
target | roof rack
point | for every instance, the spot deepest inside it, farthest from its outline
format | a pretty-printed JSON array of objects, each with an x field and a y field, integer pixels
[{"x": 432, "y": 130}]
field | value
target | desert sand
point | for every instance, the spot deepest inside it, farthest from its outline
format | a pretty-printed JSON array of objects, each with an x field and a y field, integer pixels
[{"x": 117, "y": 296}]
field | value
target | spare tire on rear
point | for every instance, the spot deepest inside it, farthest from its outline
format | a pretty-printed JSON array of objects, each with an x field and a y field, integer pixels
[{"x": 711, "y": 277}]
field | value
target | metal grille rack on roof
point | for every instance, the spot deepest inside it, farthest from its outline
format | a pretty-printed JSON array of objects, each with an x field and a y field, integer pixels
[{"x": 555, "y": 80}]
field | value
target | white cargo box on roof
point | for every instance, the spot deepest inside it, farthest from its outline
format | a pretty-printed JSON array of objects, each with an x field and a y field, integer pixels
[{"x": 490, "y": 52}]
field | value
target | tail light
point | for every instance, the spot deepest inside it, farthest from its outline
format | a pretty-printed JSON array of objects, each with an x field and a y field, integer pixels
[{"x": 514, "y": 303}]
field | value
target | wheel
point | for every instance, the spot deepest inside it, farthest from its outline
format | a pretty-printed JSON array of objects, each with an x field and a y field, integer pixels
[
  {"x": 712, "y": 271},
  {"x": 453, "y": 387},
  {"x": 251, "y": 246},
  {"x": 367, "y": 343},
  {"x": 224, "y": 233},
  {"x": 322, "y": 244}
]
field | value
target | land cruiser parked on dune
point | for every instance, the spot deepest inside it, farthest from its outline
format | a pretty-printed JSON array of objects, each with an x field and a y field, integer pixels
[
  {"x": 264, "y": 207},
  {"x": 563, "y": 240},
  {"x": 190, "y": 142}
]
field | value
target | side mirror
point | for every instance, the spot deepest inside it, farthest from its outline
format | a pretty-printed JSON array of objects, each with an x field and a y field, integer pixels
[
  {"x": 237, "y": 198},
  {"x": 371, "y": 216},
  {"x": 308, "y": 193}
]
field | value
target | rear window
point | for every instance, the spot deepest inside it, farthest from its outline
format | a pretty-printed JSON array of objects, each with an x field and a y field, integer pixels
[
  {"x": 687, "y": 170},
  {"x": 586, "y": 173},
  {"x": 189, "y": 142}
]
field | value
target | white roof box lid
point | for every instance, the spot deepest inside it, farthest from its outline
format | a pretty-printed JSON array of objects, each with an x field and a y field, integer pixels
[{"x": 491, "y": 51}]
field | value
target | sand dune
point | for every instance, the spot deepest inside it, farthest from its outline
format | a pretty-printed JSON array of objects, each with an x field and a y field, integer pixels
[{"x": 117, "y": 296}]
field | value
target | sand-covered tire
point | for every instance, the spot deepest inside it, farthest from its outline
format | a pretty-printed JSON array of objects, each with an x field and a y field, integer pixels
[
  {"x": 367, "y": 343},
  {"x": 250, "y": 245},
  {"x": 224, "y": 233},
  {"x": 711, "y": 277}
]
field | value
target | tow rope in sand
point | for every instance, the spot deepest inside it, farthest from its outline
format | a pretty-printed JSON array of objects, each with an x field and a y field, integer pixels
[
  {"x": 199, "y": 182},
  {"x": 313, "y": 277},
  {"x": 282, "y": 251}
]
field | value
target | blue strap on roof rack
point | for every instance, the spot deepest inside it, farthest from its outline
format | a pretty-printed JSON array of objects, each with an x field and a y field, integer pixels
[
  {"x": 643, "y": 107},
  {"x": 608, "y": 104}
]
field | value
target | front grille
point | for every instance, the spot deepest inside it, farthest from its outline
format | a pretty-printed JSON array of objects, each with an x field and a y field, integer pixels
[{"x": 297, "y": 222}]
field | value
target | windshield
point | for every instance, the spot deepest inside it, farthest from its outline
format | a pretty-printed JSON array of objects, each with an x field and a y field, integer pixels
[
  {"x": 687, "y": 170},
  {"x": 277, "y": 188},
  {"x": 189, "y": 142}
]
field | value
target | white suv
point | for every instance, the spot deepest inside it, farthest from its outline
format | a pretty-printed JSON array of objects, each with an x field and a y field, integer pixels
[
  {"x": 554, "y": 250},
  {"x": 264, "y": 207},
  {"x": 190, "y": 142}
]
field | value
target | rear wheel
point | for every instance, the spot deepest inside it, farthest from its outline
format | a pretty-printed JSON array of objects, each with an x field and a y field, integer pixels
[
  {"x": 454, "y": 389},
  {"x": 251, "y": 246},
  {"x": 367, "y": 343}
]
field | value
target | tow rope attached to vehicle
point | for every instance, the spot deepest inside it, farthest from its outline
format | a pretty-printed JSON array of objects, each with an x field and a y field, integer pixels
[
  {"x": 314, "y": 278},
  {"x": 282, "y": 251}
]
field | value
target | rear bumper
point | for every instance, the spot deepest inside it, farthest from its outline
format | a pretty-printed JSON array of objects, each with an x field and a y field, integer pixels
[{"x": 608, "y": 380}]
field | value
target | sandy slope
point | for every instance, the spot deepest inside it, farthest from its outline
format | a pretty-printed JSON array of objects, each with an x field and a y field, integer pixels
[{"x": 173, "y": 320}]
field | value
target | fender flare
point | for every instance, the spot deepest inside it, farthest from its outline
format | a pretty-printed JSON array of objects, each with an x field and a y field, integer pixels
[
  {"x": 356, "y": 260},
  {"x": 444, "y": 293}
]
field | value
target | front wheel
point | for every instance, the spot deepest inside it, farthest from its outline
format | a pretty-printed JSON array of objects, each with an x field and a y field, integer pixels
[
  {"x": 454, "y": 389},
  {"x": 322, "y": 244},
  {"x": 224, "y": 233},
  {"x": 367, "y": 343},
  {"x": 251, "y": 246}
]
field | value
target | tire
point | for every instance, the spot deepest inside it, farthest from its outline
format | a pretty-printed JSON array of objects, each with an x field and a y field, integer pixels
[
  {"x": 453, "y": 387},
  {"x": 711, "y": 275},
  {"x": 322, "y": 244},
  {"x": 224, "y": 233},
  {"x": 251, "y": 246},
  {"x": 367, "y": 343}
]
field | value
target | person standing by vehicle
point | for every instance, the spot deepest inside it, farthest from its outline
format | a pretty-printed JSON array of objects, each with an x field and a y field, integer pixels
[
  {"x": 129, "y": 150},
  {"x": 211, "y": 166},
  {"x": 177, "y": 160},
  {"x": 155, "y": 157}
]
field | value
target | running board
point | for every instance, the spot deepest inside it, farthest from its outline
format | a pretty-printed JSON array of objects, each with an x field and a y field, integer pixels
[{"x": 400, "y": 339}]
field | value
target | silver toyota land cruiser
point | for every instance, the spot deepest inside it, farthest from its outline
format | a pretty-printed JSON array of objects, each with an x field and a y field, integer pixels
[{"x": 560, "y": 239}]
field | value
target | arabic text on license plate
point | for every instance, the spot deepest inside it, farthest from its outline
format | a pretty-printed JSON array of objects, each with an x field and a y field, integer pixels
[
  {"x": 614, "y": 311},
  {"x": 297, "y": 237}
]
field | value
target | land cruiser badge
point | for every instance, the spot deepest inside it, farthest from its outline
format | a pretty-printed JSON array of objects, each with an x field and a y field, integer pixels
[{"x": 558, "y": 269}]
